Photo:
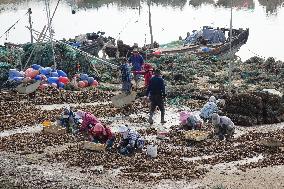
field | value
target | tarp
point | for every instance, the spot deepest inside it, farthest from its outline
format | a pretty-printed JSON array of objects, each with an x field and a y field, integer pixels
[{"x": 212, "y": 35}]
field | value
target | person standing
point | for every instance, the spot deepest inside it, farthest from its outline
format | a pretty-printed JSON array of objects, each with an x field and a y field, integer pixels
[
  {"x": 147, "y": 72},
  {"x": 156, "y": 93},
  {"x": 137, "y": 63},
  {"x": 125, "y": 77}
]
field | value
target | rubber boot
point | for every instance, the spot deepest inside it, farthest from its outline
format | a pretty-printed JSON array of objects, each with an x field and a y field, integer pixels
[
  {"x": 163, "y": 118},
  {"x": 151, "y": 118}
]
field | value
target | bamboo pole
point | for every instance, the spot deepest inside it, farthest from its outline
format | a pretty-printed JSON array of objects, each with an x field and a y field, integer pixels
[
  {"x": 50, "y": 30},
  {"x": 150, "y": 23},
  {"x": 30, "y": 21},
  {"x": 231, "y": 55}
]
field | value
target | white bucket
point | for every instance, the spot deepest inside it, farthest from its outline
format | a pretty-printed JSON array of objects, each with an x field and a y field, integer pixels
[{"x": 152, "y": 150}]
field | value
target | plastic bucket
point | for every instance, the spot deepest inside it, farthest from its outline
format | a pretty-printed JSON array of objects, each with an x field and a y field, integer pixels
[{"x": 152, "y": 151}]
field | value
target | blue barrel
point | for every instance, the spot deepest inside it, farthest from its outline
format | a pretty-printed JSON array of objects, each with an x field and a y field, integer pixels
[
  {"x": 91, "y": 80},
  {"x": 61, "y": 85},
  {"x": 84, "y": 77},
  {"x": 61, "y": 73},
  {"x": 54, "y": 74},
  {"x": 15, "y": 73},
  {"x": 38, "y": 77},
  {"x": 53, "y": 80},
  {"x": 45, "y": 71},
  {"x": 36, "y": 67}
]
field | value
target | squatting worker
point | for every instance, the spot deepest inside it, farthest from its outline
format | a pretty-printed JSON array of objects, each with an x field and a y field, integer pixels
[
  {"x": 209, "y": 108},
  {"x": 97, "y": 132},
  {"x": 156, "y": 93},
  {"x": 130, "y": 140},
  {"x": 68, "y": 120},
  {"x": 137, "y": 62},
  {"x": 224, "y": 127}
]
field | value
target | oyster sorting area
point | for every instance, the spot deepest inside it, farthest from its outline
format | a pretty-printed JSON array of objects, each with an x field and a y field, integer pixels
[{"x": 30, "y": 157}]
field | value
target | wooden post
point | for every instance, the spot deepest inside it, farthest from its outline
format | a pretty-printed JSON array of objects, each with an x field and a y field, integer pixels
[
  {"x": 150, "y": 23},
  {"x": 231, "y": 54},
  {"x": 47, "y": 7},
  {"x": 30, "y": 21}
]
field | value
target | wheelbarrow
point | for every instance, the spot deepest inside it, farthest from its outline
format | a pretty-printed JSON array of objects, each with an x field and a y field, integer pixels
[
  {"x": 27, "y": 89},
  {"x": 123, "y": 99}
]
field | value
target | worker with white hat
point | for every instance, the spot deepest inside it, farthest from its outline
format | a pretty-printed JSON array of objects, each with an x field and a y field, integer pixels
[
  {"x": 130, "y": 140},
  {"x": 209, "y": 108}
]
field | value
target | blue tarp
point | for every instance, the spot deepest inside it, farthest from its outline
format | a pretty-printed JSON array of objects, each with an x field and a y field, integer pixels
[{"x": 212, "y": 35}]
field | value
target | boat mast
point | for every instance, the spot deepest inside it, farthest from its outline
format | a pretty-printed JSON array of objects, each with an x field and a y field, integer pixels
[
  {"x": 47, "y": 6},
  {"x": 30, "y": 21},
  {"x": 150, "y": 23},
  {"x": 231, "y": 55}
]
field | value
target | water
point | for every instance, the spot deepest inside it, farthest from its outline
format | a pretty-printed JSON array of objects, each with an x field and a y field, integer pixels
[{"x": 170, "y": 19}]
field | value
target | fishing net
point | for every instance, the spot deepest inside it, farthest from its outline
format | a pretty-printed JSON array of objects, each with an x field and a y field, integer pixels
[
  {"x": 172, "y": 44},
  {"x": 4, "y": 71},
  {"x": 254, "y": 108}
]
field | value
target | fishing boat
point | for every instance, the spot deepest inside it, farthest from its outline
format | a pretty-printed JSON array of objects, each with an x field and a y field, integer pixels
[{"x": 208, "y": 41}]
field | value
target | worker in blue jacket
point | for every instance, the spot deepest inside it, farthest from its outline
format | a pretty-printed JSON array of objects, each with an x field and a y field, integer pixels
[
  {"x": 156, "y": 93},
  {"x": 137, "y": 62},
  {"x": 125, "y": 77}
]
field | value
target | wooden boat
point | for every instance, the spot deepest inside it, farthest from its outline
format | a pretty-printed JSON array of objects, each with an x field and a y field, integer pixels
[
  {"x": 122, "y": 100},
  {"x": 207, "y": 45}
]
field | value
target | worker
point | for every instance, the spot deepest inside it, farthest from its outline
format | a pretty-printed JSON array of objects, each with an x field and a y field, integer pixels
[
  {"x": 125, "y": 77},
  {"x": 147, "y": 72},
  {"x": 97, "y": 132},
  {"x": 156, "y": 93},
  {"x": 68, "y": 120},
  {"x": 209, "y": 108},
  {"x": 137, "y": 61},
  {"x": 130, "y": 140},
  {"x": 194, "y": 122},
  {"x": 100, "y": 133},
  {"x": 223, "y": 126},
  {"x": 88, "y": 122}
]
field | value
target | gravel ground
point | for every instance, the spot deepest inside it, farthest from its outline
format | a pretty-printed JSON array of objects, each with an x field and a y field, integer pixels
[{"x": 34, "y": 171}]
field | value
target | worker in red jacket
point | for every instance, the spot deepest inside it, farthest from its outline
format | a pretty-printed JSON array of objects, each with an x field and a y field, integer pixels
[
  {"x": 96, "y": 131},
  {"x": 147, "y": 72},
  {"x": 102, "y": 134}
]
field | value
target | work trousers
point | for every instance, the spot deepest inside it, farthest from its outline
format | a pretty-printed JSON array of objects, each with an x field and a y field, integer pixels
[{"x": 157, "y": 101}]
